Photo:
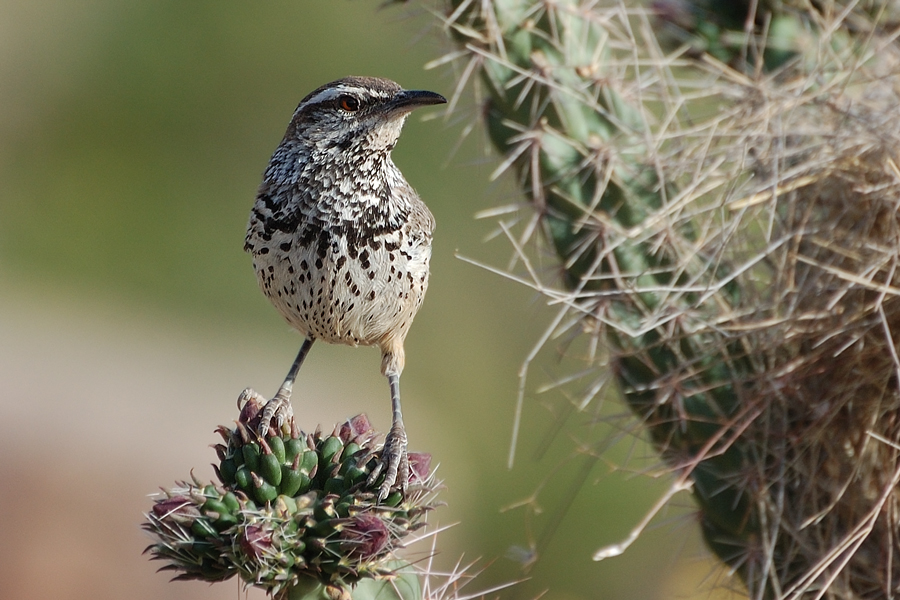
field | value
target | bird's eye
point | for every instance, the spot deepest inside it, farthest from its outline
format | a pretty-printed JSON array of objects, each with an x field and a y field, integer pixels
[{"x": 348, "y": 103}]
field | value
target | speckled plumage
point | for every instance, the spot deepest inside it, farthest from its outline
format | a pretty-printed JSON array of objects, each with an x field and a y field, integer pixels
[{"x": 340, "y": 241}]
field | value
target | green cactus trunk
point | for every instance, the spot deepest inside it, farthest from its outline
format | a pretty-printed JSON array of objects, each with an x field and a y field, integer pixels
[{"x": 736, "y": 235}]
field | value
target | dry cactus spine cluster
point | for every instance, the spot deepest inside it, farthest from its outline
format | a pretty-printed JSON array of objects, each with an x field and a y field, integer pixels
[
  {"x": 295, "y": 515},
  {"x": 729, "y": 236}
]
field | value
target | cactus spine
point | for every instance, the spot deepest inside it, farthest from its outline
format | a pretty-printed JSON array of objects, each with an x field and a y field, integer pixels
[{"x": 734, "y": 235}]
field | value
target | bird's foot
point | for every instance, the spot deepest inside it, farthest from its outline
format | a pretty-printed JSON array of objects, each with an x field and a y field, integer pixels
[
  {"x": 250, "y": 399},
  {"x": 276, "y": 413},
  {"x": 394, "y": 462}
]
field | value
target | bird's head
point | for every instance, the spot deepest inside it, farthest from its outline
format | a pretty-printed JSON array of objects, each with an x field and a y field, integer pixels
[{"x": 355, "y": 114}]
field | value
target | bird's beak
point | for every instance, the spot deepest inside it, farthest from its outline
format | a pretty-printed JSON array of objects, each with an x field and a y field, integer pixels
[{"x": 407, "y": 100}]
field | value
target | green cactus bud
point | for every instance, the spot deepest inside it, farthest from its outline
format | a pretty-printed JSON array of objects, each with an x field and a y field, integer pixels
[
  {"x": 330, "y": 449},
  {"x": 393, "y": 499},
  {"x": 231, "y": 502},
  {"x": 226, "y": 470},
  {"x": 243, "y": 480},
  {"x": 293, "y": 482},
  {"x": 349, "y": 450},
  {"x": 251, "y": 456},
  {"x": 214, "y": 505},
  {"x": 309, "y": 463},
  {"x": 334, "y": 485},
  {"x": 263, "y": 491},
  {"x": 270, "y": 468},
  {"x": 343, "y": 510},
  {"x": 355, "y": 475},
  {"x": 203, "y": 529},
  {"x": 277, "y": 446},
  {"x": 225, "y": 521},
  {"x": 293, "y": 447}
]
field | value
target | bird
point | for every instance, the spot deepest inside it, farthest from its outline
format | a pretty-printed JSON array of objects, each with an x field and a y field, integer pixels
[{"x": 341, "y": 242}]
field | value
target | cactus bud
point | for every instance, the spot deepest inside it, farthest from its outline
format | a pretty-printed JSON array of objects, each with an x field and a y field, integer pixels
[{"x": 292, "y": 508}]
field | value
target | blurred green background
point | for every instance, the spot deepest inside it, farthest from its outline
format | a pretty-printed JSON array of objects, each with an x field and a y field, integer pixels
[{"x": 132, "y": 138}]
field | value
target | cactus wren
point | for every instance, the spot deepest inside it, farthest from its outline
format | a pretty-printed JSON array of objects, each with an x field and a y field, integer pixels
[{"x": 340, "y": 241}]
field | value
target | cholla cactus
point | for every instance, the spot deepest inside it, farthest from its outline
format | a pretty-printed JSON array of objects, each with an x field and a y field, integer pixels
[
  {"x": 294, "y": 514},
  {"x": 731, "y": 239}
]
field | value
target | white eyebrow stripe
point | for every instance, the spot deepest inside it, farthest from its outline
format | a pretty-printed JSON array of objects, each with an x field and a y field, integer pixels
[
  {"x": 332, "y": 93},
  {"x": 329, "y": 94}
]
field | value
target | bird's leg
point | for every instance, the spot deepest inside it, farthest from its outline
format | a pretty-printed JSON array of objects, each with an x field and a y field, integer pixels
[
  {"x": 394, "y": 457},
  {"x": 278, "y": 409}
]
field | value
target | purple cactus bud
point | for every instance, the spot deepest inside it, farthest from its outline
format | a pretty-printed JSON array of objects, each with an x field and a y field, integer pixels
[
  {"x": 419, "y": 466},
  {"x": 256, "y": 541},
  {"x": 178, "y": 509},
  {"x": 365, "y": 536},
  {"x": 250, "y": 412},
  {"x": 354, "y": 427}
]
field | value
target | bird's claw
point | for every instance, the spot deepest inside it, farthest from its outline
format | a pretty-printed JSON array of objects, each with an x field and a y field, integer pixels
[
  {"x": 277, "y": 412},
  {"x": 394, "y": 462},
  {"x": 250, "y": 396}
]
